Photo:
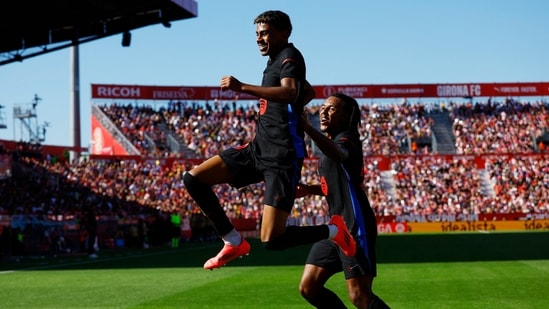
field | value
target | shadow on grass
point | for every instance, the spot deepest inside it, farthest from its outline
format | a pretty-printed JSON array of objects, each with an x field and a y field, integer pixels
[
  {"x": 409, "y": 248},
  {"x": 463, "y": 247}
]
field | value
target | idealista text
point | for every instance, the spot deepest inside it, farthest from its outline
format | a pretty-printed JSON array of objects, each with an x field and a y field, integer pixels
[{"x": 468, "y": 226}]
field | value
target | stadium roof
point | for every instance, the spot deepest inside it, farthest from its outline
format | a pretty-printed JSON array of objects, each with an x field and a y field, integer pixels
[{"x": 30, "y": 28}]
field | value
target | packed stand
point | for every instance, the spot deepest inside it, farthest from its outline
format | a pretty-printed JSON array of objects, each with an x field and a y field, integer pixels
[
  {"x": 510, "y": 126},
  {"x": 422, "y": 184},
  {"x": 138, "y": 123}
]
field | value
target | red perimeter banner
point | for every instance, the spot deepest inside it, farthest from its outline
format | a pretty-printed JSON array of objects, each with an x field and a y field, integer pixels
[{"x": 455, "y": 90}]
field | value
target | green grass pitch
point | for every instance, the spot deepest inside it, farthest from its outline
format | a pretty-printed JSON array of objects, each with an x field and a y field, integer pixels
[{"x": 462, "y": 270}]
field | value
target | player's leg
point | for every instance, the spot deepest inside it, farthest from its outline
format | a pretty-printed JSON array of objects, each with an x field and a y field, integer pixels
[
  {"x": 321, "y": 264},
  {"x": 273, "y": 223},
  {"x": 361, "y": 295},
  {"x": 199, "y": 181},
  {"x": 360, "y": 271},
  {"x": 360, "y": 291},
  {"x": 313, "y": 290},
  {"x": 212, "y": 171}
]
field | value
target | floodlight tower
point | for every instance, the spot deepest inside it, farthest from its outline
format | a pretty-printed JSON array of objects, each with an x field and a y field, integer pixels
[
  {"x": 29, "y": 121},
  {"x": 2, "y": 119}
]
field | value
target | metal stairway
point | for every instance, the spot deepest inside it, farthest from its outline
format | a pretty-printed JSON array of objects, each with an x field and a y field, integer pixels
[{"x": 443, "y": 131}]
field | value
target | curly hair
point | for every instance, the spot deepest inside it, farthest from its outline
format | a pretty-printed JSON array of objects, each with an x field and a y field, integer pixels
[{"x": 277, "y": 19}]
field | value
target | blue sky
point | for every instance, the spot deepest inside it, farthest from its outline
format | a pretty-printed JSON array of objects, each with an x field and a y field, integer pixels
[{"x": 344, "y": 42}]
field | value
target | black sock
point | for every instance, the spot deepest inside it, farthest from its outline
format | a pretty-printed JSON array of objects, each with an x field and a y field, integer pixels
[
  {"x": 206, "y": 199},
  {"x": 327, "y": 299},
  {"x": 377, "y": 303},
  {"x": 298, "y": 235}
]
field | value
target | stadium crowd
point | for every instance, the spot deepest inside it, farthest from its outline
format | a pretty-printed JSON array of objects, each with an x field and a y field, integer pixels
[{"x": 47, "y": 188}]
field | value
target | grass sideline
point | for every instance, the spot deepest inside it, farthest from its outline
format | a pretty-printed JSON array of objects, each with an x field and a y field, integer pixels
[{"x": 454, "y": 270}]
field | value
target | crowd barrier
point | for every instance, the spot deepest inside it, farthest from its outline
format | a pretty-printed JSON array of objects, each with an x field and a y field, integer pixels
[{"x": 33, "y": 242}]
